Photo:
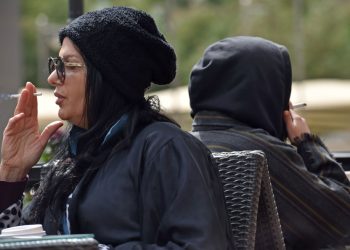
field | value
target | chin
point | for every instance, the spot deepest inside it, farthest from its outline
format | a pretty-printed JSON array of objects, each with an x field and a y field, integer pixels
[
  {"x": 62, "y": 116},
  {"x": 73, "y": 120}
]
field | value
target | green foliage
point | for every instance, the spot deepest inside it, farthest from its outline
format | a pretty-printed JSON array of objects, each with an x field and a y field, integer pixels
[
  {"x": 195, "y": 29},
  {"x": 56, "y": 12},
  {"x": 28, "y": 196},
  {"x": 52, "y": 146},
  {"x": 327, "y": 39},
  {"x": 191, "y": 25}
]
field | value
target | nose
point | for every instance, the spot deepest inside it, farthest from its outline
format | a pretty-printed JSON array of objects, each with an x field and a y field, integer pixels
[{"x": 53, "y": 79}]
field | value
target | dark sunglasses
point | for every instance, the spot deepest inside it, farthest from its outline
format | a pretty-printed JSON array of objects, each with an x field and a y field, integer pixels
[{"x": 56, "y": 63}]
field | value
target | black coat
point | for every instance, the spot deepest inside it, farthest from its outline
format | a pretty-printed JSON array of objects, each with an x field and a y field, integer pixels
[
  {"x": 311, "y": 189},
  {"x": 161, "y": 193}
]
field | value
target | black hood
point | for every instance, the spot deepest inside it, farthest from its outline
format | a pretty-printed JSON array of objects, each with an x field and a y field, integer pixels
[{"x": 246, "y": 78}]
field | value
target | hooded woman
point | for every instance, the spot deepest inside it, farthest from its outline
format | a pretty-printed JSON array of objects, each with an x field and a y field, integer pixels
[{"x": 240, "y": 99}]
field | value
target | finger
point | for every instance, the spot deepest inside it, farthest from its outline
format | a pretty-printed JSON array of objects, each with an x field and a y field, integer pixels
[
  {"x": 49, "y": 131},
  {"x": 293, "y": 114},
  {"x": 288, "y": 119},
  {"x": 13, "y": 122},
  {"x": 31, "y": 107},
  {"x": 20, "y": 107},
  {"x": 34, "y": 100},
  {"x": 290, "y": 105}
]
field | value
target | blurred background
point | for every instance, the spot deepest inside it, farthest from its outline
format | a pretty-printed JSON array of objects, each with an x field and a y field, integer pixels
[{"x": 316, "y": 32}]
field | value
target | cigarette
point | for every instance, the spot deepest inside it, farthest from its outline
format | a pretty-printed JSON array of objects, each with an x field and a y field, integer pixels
[
  {"x": 18, "y": 95},
  {"x": 299, "y": 105}
]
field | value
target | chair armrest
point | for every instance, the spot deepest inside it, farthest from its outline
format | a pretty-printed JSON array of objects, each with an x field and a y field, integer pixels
[{"x": 249, "y": 200}]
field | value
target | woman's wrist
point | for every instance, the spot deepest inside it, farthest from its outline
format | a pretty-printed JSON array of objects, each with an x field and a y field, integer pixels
[{"x": 12, "y": 174}]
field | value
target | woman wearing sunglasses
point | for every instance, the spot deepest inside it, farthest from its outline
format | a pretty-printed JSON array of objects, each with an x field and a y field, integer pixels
[{"x": 126, "y": 173}]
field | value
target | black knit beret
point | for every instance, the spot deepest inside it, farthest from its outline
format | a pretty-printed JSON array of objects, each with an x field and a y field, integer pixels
[{"x": 125, "y": 45}]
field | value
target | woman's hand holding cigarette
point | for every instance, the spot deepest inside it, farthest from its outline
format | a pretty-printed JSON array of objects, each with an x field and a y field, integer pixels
[
  {"x": 22, "y": 143},
  {"x": 296, "y": 125}
]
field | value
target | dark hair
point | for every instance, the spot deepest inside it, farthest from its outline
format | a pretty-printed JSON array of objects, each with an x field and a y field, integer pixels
[{"x": 104, "y": 106}]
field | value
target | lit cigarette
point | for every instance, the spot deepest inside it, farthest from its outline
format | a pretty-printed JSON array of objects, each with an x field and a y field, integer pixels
[
  {"x": 18, "y": 95},
  {"x": 299, "y": 105}
]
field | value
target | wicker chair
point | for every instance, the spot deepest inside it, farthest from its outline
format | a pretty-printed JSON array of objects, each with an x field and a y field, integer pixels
[{"x": 250, "y": 202}]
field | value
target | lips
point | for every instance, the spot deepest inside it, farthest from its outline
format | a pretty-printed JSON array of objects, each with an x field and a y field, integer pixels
[{"x": 59, "y": 99}]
